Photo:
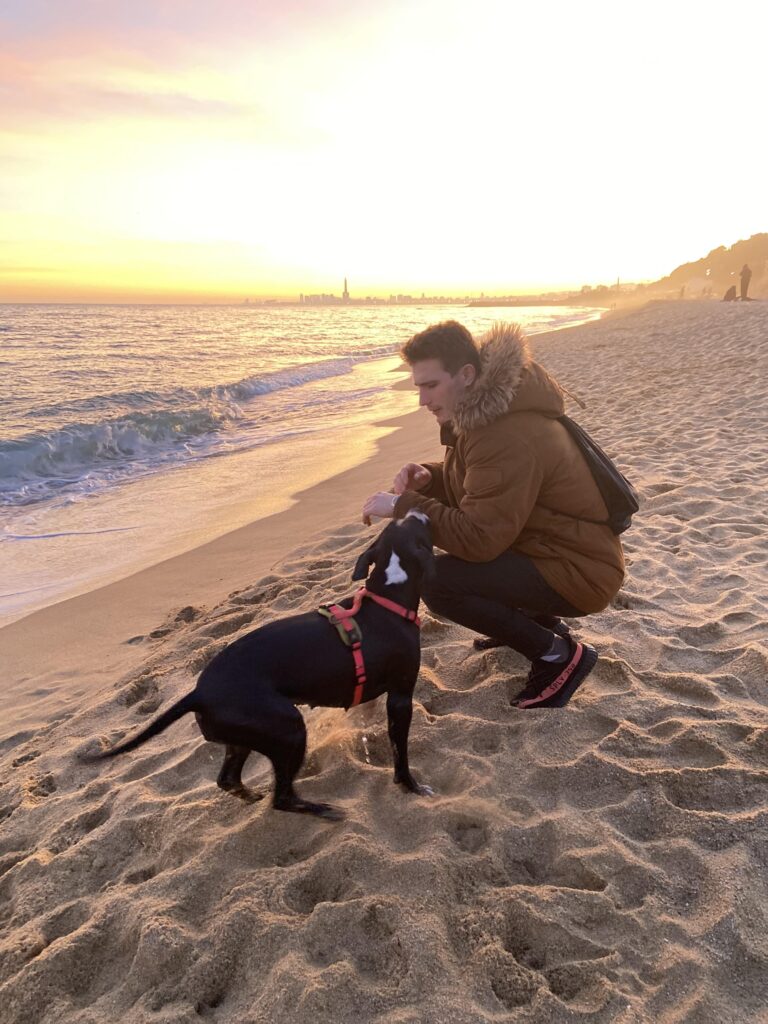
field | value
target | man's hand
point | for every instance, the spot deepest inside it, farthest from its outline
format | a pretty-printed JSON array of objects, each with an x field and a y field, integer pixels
[
  {"x": 381, "y": 504},
  {"x": 412, "y": 477}
]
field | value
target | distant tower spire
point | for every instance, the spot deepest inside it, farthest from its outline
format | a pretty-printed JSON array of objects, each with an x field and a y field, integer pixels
[{"x": 345, "y": 293}]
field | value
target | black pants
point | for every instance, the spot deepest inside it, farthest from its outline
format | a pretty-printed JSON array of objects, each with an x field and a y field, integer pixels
[{"x": 489, "y": 597}]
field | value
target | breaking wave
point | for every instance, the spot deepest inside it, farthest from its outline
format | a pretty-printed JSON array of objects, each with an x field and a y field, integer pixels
[{"x": 129, "y": 432}]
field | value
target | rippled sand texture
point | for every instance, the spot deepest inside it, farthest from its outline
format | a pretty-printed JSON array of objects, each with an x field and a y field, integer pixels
[{"x": 605, "y": 863}]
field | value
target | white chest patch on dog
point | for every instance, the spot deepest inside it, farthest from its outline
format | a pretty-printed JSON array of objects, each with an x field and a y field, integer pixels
[
  {"x": 415, "y": 514},
  {"x": 394, "y": 572}
]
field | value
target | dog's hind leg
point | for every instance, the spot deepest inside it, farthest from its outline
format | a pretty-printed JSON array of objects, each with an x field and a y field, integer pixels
[
  {"x": 282, "y": 737},
  {"x": 229, "y": 777}
]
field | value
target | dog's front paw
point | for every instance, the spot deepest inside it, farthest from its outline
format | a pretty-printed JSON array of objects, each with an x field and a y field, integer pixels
[
  {"x": 422, "y": 790},
  {"x": 412, "y": 786}
]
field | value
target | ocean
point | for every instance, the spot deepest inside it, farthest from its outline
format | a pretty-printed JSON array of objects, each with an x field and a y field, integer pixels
[{"x": 129, "y": 434}]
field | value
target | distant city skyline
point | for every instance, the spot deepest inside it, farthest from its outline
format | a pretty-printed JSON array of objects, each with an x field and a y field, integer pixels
[{"x": 348, "y": 298}]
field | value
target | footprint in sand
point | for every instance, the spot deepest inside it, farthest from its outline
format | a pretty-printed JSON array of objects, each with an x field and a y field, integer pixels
[
  {"x": 139, "y": 689},
  {"x": 7, "y": 810},
  {"x": 363, "y": 934},
  {"x": 66, "y": 919},
  {"x": 707, "y": 633},
  {"x": 661, "y": 488},
  {"x": 532, "y": 857},
  {"x": 528, "y": 952},
  {"x": 570, "y": 872},
  {"x": 669, "y": 728},
  {"x": 538, "y": 943},
  {"x": 77, "y": 828},
  {"x": 726, "y": 789},
  {"x": 289, "y": 598},
  {"x": 226, "y": 626},
  {"x": 150, "y": 705},
  {"x": 611, "y": 675},
  {"x": 438, "y": 704},
  {"x": 486, "y": 739},
  {"x": 685, "y": 689},
  {"x": 331, "y": 879},
  {"x": 200, "y": 659},
  {"x": 191, "y": 763},
  {"x": 188, "y": 614},
  {"x": 512, "y": 984},
  {"x": 182, "y": 618},
  {"x": 39, "y": 787},
  {"x": 25, "y": 758},
  {"x": 10, "y": 860},
  {"x": 140, "y": 875},
  {"x": 469, "y": 834},
  {"x": 206, "y": 1007},
  {"x": 680, "y": 748}
]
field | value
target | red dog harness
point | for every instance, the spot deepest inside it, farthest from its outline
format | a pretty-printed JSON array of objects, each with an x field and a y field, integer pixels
[{"x": 350, "y": 633}]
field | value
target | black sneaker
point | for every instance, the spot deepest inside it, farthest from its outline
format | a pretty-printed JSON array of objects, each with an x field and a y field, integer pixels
[
  {"x": 551, "y": 684},
  {"x": 487, "y": 643}
]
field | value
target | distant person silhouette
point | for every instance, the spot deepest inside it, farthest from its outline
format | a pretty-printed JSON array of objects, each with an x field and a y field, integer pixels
[
  {"x": 730, "y": 295},
  {"x": 746, "y": 277}
]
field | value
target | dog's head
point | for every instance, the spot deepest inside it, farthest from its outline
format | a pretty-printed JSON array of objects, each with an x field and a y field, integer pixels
[{"x": 402, "y": 551}]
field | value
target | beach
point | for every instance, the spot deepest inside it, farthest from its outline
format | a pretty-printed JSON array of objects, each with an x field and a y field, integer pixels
[{"x": 602, "y": 863}]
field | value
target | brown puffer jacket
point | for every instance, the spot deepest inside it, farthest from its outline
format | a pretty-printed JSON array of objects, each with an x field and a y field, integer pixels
[{"x": 513, "y": 478}]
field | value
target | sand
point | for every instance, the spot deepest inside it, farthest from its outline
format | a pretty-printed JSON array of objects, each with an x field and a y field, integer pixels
[{"x": 602, "y": 863}]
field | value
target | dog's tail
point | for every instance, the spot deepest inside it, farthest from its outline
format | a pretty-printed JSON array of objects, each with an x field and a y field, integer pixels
[{"x": 174, "y": 712}]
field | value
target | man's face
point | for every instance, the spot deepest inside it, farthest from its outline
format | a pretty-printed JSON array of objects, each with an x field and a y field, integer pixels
[{"x": 440, "y": 391}]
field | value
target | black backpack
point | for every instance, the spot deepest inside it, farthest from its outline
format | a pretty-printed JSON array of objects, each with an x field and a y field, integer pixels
[{"x": 619, "y": 495}]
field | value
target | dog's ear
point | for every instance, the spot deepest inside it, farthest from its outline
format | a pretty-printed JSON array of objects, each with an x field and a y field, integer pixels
[
  {"x": 426, "y": 558},
  {"x": 363, "y": 564}
]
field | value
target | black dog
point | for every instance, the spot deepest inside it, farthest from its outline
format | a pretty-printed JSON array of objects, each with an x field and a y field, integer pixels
[{"x": 246, "y": 697}]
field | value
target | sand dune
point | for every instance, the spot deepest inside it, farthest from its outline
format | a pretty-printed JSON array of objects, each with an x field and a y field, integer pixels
[{"x": 604, "y": 863}]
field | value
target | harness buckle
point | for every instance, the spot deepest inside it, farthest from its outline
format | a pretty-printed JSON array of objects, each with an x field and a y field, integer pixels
[{"x": 347, "y": 628}]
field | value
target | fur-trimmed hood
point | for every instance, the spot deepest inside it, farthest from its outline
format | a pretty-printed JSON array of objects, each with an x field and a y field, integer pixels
[{"x": 509, "y": 381}]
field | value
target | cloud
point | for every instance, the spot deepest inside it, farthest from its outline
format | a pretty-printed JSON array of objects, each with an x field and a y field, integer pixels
[
  {"x": 59, "y": 98},
  {"x": 240, "y": 66},
  {"x": 26, "y": 107},
  {"x": 160, "y": 28}
]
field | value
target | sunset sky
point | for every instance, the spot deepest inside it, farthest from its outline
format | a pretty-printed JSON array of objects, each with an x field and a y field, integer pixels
[{"x": 185, "y": 150}]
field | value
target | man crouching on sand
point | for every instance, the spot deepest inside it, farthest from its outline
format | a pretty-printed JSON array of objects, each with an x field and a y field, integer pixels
[{"x": 513, "y": 504}]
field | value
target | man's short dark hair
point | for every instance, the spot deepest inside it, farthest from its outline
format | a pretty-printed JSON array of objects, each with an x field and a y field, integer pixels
[{"x": 450, "y": 342}]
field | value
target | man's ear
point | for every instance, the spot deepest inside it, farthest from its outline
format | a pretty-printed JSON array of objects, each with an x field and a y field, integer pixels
[
  {"x": 468, "y": 374},
  {"x": 363, "y": 564}
]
